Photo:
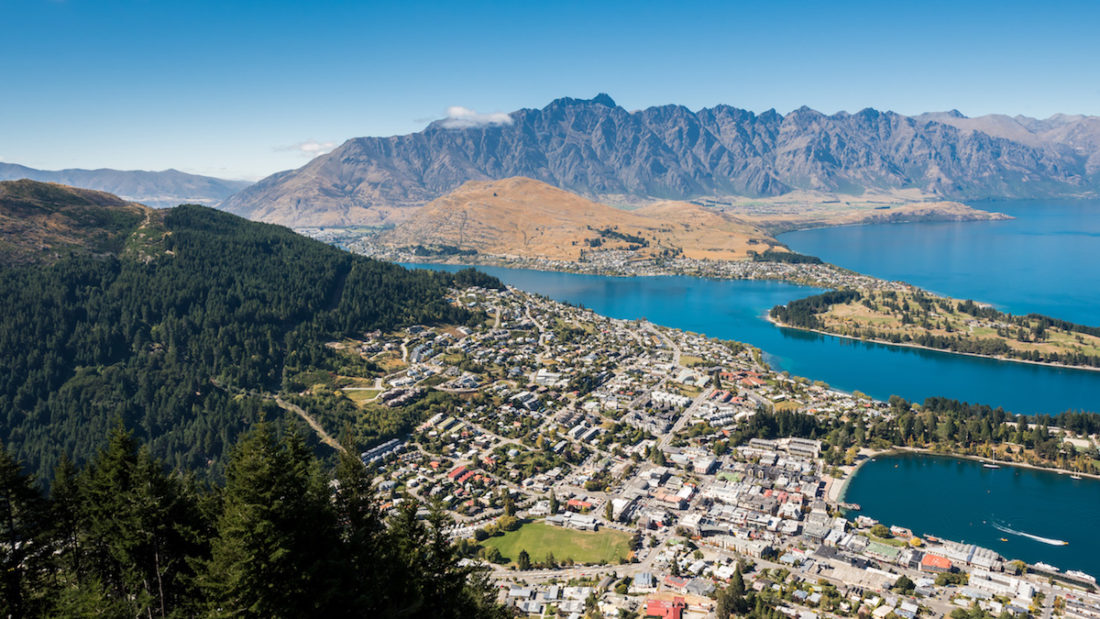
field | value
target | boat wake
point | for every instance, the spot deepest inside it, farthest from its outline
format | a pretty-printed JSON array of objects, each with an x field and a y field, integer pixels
[{"x": 1045, "y": 540}]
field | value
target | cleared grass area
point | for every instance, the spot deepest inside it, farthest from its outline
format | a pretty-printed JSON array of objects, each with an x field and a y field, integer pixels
[
  {"x": 687, "y": 391},
  {"x": 788, "y": 405},
  {"x": 357, "y": 382},
  {"x": 391, "y": 363},
  {"x": 690, "y": 361},
  {"x": 359, "y": 396},
  {"x": 540, "y": 539}
]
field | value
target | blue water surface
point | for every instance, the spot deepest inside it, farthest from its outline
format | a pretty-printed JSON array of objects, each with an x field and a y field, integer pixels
[
  {"x": 1046, "y": 260},
  {"x": 963, "y": 501}
]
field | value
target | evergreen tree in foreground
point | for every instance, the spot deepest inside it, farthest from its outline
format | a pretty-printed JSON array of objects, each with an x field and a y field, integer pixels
[
  {"x": 124, "y": 538},
  {"x": 273, "y": 553},
  {"x": 23, "y": 551}
]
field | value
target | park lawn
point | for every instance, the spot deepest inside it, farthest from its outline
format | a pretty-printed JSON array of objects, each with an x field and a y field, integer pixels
[
  {"x": 539, "y": 539},
  {"x": 688, "y": 391},
  {"x": 889, "y": 541}
]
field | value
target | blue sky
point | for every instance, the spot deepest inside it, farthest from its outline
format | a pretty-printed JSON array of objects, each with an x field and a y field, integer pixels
[{"x": 244, "y": 89}]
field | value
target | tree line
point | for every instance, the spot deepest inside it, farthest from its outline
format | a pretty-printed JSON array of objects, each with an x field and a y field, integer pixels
[
  {"x": 803, "y": 313},
  {"x": 940, "y": 423}
]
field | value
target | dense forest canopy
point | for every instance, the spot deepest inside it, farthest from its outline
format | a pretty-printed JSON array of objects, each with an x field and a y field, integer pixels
[{"x": 171, "y": 332}]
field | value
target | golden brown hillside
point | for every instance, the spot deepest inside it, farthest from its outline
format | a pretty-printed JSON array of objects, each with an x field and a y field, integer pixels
[
  {"x": 43, "y": 221},
  {"x": 524, "y": 217}
]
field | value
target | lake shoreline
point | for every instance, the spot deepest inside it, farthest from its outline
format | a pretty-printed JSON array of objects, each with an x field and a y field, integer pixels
[
  {"x": 1049, "y": 364},
  {"x": 870, "y": 454}
]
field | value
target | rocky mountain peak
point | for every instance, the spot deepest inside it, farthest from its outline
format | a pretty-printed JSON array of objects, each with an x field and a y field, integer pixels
[{"x": 600, "y": 150}]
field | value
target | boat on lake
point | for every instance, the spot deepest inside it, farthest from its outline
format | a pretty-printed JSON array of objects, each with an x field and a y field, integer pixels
[{"x": 1046, "y": 567}]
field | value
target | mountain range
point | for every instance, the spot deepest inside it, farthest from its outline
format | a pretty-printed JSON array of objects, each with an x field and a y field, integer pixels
[
  {"x": 162, "y": 189},
  {"x": 600, "y": 150}
]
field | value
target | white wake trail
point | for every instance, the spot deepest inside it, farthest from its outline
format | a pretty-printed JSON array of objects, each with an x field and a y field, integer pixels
[{"x": 1045, "y": 540}]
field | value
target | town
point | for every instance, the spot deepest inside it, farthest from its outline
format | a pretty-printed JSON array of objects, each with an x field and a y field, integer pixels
[
  {"x": 602, "y": 467},
  {"x": 616, "y": 263}
]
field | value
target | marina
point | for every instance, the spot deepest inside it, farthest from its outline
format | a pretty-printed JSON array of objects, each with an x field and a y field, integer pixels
[{"x": 1025, "y": 514}]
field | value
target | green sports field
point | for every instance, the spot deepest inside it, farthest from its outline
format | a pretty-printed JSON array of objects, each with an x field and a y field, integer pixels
[{"x": 539, "y": 539}]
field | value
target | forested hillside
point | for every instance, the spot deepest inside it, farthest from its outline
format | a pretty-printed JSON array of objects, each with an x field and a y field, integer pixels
[{"x": 170, "y": 333}]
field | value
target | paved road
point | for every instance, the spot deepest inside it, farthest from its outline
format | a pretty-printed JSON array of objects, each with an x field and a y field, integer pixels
[{"x": 686, "y": 416}]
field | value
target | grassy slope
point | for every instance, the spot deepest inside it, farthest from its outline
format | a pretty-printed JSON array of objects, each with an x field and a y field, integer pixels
[
  {"x": 845, "y": 319},
  {"x": 524, "y": 217},
  {"x": 41, "y": 222}
]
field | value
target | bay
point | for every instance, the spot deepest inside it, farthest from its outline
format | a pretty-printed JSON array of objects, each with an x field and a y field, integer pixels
[
  {"x": 736, "y": 310},
  {"x": 1046, "y": 260},
  {"x": 963, "y": 501}
]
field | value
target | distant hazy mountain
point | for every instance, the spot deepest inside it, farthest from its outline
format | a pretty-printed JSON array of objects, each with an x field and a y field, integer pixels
[
  {"x": 600, "y": 150},
  {"x": 156, "y": 189},
  {"x": 1074, "y": 135}
]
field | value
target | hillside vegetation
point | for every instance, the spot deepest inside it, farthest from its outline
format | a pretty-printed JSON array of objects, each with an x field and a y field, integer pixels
[
  {"x": 179, "y": 328},
  {"x": 42, "y": 222}
]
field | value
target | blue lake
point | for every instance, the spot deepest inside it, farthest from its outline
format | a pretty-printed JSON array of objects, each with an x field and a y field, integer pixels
[
  {"x": 963, "y": 501},
  {"x": 735, "y": 310},
  {"x": 1046, "y": 260}
]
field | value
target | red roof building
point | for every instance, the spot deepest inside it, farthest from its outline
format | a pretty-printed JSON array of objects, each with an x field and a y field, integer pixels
[
  {"x": 935, "y": 563},
  {"x": 578, "y": 504},
  {"x": 665, "y": 610},
  {"x": 676, "y": 582}
]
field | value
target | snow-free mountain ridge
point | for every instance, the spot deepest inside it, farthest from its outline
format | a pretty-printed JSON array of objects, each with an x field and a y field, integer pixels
[{"x": 600, "y": 150}]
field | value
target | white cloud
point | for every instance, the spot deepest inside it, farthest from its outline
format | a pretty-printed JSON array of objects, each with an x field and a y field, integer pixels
[
  {"x": 459, "y": 117},
  {"x": 310, "y": 148}
]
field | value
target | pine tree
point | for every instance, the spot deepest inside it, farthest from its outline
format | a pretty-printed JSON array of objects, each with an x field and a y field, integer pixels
[
  {"x": 737, "y": 584},
  {"x": 658, "y": 456},
  {"x": 523, "y": 561},
  {"x": 24, "y": 551},
  {"x": 362, "y": 533},
  {"x": 553, "y": 503},
  {"x": 137, "y": 527},
  {"x": 65, "y": 516},
  {"x": 272, "y": 555}
]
